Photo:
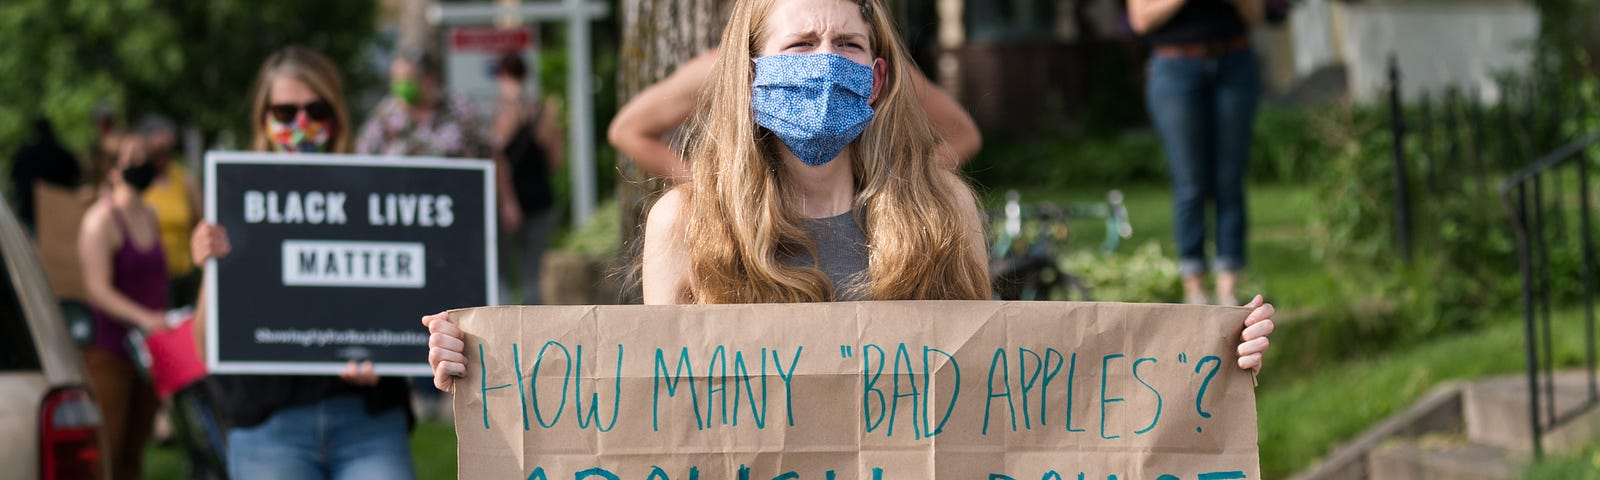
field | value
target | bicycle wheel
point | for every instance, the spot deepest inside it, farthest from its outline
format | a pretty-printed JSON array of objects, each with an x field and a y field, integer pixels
[
  {"x": 1019, "y": 277},
  {"x": 1071, "y": 288},
  {"x": 200, "y": 432},
  {"x": 1054, "y": 284},
  {"x": 1042, "y": 284}
]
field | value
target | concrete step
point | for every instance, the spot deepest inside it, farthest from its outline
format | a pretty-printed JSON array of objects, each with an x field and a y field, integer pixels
[
  {"x": 1441, "y": 456},
  {"x": 1475, "y": 430},
  {"x": 1438, "y": 411},
  {"x": 1496, "y": 412}
]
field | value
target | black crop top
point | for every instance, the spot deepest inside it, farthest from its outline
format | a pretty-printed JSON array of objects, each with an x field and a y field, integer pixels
[{"x": 1200, "y": 21}]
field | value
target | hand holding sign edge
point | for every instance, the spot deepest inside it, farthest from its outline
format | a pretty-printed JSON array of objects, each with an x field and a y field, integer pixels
[
  {"x": 445, "y": 347},
  {"x": 1254, "y": 338}
]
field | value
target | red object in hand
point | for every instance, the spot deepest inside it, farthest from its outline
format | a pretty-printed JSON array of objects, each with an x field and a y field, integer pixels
[{"x": 174, "y": 362}]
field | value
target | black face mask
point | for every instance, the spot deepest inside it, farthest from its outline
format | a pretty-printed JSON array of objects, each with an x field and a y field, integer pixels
[{"x": 139, "y": 176}]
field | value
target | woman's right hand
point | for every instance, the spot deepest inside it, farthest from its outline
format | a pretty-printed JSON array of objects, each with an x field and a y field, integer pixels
[
  {"x": 208, "y": 241},
  {"x": 446, "y": 347}
]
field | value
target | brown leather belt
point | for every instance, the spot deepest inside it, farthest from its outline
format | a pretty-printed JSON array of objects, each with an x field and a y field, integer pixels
[{"x": 1203, "y": 49}]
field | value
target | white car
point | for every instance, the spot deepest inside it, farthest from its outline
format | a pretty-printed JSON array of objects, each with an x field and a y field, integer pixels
[{"x": 50, "y": 423}]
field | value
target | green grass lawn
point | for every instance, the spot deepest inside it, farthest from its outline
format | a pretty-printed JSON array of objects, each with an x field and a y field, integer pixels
[
  {"x": 1309, "y": 400},
  {"x": 433, "y": 450},
  {"x": 1584, "y": 465},
  {"x": 164, "y": 462}
]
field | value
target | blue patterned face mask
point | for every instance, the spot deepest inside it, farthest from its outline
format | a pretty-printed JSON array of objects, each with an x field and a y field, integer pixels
[{"x": 815, "y": 103}]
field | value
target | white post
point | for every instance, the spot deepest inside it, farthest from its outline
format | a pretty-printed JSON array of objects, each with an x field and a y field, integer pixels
[{"x": 580, "y": 96}]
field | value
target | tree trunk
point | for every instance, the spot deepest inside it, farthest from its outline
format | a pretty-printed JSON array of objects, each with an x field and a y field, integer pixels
[{"x": 657, "y": 36}]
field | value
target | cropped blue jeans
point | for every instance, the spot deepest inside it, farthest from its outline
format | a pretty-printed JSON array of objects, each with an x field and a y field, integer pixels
[{"x": 1204, "y": 110}]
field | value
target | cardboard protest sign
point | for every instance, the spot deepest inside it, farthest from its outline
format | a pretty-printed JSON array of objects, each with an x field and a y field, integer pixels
[
  {"x": 58, "y": 214},
  {"x": 335, "y": 257},
  {"x": 868, "y": 390}
]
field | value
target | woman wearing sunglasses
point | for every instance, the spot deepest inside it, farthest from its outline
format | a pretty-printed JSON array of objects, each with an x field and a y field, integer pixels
[{"x": 352, "y": 426}]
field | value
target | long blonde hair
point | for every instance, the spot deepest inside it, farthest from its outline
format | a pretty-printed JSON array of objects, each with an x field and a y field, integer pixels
[
  {"x": 742, "y": 210},
  {"x": 312, "y": 69}
]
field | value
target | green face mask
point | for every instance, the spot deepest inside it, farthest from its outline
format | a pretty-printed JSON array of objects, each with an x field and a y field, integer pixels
[{"x": 406, "y": 90}]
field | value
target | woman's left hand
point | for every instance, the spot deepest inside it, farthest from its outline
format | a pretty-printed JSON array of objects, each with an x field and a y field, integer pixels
[
  {"x": 208, "y": 241},
  {"x": 1256, "y": 328},
  {"x": 446, "y": 351},
  {"x": 359, "y": 374}
]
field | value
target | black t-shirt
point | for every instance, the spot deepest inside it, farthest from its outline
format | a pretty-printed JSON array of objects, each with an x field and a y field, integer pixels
[
  {"x": 253, "y": 398},
  {"x": 1200, "y": 21},
  {"x": 530, "y": 167}
]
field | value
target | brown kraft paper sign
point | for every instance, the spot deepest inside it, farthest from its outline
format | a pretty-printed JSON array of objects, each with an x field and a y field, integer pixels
[
  {"x": 59, "y": 212},
  {"x": 856, "y": 390}
]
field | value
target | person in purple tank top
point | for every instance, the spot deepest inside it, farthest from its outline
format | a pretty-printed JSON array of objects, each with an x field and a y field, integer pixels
[{"x": 124, "y": 272}]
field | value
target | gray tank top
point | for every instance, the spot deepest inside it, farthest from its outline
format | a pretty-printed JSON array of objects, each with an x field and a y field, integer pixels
[{"x": 842, "y": 248}]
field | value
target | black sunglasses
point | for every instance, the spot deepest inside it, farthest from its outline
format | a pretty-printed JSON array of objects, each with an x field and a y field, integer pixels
[{"x": 319, "y": 110}]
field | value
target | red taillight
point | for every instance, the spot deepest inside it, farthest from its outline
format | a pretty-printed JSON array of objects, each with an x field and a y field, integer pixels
[{"x": 69, "y": 435}]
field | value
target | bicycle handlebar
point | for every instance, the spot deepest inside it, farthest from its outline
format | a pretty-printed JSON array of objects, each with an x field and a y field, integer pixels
[{"x": 1115, "y": 212}]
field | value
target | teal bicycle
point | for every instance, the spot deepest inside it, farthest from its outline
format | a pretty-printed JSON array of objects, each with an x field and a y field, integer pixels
[{"x": 1023, "y": 261}]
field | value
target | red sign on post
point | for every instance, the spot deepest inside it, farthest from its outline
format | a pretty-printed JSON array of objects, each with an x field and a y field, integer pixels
[
  {"x": 473, "y": 52},
  {"x": 490, "y": 39}
]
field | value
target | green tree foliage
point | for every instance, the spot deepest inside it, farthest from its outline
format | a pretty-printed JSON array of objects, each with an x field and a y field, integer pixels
[
  {"x": 1565, "y": 29},
  {"x": 194, "y": 61}
]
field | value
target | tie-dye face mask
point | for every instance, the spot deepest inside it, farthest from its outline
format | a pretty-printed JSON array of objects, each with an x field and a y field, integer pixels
[{"x": 300, "y": 136}]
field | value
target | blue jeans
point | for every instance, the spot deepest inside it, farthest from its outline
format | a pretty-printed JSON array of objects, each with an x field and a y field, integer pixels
[
  {"x": 1204, "y": 109},
  {"x": 332, "y": 439}
]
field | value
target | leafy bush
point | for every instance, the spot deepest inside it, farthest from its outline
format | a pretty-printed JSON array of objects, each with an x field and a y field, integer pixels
[
  {"x": 1289, "y": 146},
  {"x": 1060, "y": 162},
  {"x": 600, "y": 237},
  {"x": 1144, "y": 274},
  {"x": 552, "y": 76},
  {"x": 1463, "y": 246}
]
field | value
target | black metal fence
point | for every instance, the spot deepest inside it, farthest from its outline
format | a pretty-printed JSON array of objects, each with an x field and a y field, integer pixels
[
  {"x": 1549, "y": 202},
  {"x": 1454, "y": 145},
  {"x": 1452, "y": 142}
]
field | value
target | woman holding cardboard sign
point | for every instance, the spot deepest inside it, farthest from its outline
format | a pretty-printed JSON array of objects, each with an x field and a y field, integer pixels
[
  {"x": 303, "y": 426},
  {"x": 833, "y": 192}
]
